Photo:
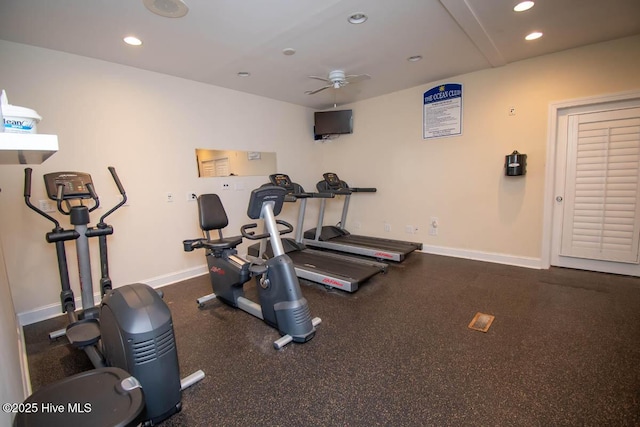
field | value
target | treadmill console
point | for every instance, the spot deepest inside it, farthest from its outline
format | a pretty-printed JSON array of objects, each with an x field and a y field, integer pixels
[
  {"x": 332, "y": 180},
  {"x": 281, "y": 180},
  {"x": 75, "y": 185}
]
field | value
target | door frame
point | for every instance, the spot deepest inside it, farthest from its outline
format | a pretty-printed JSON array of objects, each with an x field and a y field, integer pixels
[{"x": 552, "y": 141}]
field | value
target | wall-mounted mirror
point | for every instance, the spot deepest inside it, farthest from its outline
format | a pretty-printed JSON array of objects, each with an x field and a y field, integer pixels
[{"x": 235, "y": 163}]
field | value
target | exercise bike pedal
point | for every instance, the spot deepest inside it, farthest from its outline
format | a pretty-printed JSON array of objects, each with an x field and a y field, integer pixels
[{"x": 258, "y": 269}]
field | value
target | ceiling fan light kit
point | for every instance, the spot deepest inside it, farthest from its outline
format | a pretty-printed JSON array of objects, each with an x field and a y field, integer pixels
[{"x": 336, "y": 80}]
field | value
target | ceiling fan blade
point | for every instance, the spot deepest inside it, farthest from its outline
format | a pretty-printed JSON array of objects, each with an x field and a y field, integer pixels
[
  {"x": 355, "y": 78},
  {"x": 320, "y": 78},
  {"x": 311, "y": 92}
]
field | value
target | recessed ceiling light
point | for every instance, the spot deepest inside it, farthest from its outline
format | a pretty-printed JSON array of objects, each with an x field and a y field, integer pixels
[
  {"x": 244, "y": 74},
  {"x": 289, "y": 51},
  {"x": 358, "y": 18},
  {"x": 533, "y": 36},
  {"x": 133, "y": 41},
  {"x": 167, "y": 8},
  {"x": 523, "y": 5},
  {"x": 414, "y": 58}
]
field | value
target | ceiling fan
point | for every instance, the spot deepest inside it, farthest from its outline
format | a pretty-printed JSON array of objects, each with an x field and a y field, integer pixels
[{"x": 337, "y": 79}]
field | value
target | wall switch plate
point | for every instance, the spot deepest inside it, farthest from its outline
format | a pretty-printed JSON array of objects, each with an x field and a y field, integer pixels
[
  {"x": 191, "y": 196},
  {"x": 433, "y": 226},
  {"x": 46, "y": 206},
  {"x": 169, "y": 197}
]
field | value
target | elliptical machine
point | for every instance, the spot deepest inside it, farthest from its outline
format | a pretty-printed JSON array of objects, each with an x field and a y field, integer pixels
[
  {"x": 128, "y": 338},
  {"x": 282, "y": 305}
]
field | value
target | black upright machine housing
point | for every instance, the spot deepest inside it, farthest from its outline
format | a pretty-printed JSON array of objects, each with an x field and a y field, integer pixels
[
  {"x": 137, "y": 335},
  {"x": 131, "y": 329}
]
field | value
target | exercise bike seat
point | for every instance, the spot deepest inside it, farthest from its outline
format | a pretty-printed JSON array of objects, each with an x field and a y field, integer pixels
[
  {"x": 214, "y": 217},
  {"x": 224, "y": 243}
]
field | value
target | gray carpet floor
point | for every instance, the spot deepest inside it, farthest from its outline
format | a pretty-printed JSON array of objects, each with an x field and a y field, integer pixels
[{"x": 563, "y": 350}]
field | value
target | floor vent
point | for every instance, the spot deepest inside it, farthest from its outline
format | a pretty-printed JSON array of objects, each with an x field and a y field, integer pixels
[{"x": 481, "y": 322}]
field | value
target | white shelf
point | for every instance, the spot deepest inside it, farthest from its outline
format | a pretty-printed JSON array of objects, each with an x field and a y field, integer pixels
[{"x": 26, "y": 148}]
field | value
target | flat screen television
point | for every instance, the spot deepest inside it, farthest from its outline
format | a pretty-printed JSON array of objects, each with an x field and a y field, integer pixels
[{"x": 334, "y": 122}]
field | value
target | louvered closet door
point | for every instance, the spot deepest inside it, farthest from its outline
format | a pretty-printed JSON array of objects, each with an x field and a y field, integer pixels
[{"x": 602, "y": 209}]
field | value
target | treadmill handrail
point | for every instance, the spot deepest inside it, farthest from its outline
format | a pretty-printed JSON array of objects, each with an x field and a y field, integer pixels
[
  {"x": 347, "y": 190},
  {"x": 306, "y": 195},
  {"x": 364, "y": 189}
]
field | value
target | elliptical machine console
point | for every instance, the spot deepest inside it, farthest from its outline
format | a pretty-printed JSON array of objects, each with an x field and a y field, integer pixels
[
  {"x": 131, "y": 330},
  {"x": 282, "y": 305}
]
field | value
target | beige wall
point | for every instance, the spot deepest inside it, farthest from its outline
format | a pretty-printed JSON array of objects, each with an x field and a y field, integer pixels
[
  {"x": 12, "y": 389},
  {"x": 106, "y": 114},
  {"x": 148, "y": 126},
  {"x": 460, "y": 180}
]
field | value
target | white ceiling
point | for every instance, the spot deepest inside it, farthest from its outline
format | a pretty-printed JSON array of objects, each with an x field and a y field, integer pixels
[{"x": 219, "y": 38}]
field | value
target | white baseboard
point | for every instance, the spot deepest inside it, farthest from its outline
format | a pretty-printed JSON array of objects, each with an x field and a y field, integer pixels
[
  {"x": 53, "y": 310},
  {"x": 24, "y": 364},
  {"x": 168, "y": 279},
  {"x": 535, "y": 263}
]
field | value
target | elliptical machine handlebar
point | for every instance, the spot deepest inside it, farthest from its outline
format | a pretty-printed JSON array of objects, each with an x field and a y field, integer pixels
[
  {"x": 27, "y": 199},
  {"x": 66, "y": 187},
  {"x": 60, "y": 194},
  {"x": 61, "y": 197},
  {"x": 116, "y": 179},
  {"x": 253, "y": 236}
]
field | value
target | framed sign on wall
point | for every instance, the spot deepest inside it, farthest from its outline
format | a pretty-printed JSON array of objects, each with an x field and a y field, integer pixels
[{"x": 442, "y": 111}]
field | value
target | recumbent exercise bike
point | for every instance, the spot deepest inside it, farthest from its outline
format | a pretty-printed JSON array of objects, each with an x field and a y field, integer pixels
[{"x": 282, "y": 305}]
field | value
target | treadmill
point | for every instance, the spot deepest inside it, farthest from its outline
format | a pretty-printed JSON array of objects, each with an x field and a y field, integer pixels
[
  {"x": 329, "y": 269},
  {"x": 336, "y": 238}
]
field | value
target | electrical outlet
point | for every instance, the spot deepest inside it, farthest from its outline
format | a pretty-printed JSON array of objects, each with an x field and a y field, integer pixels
[
  {"x": 387, "y": 227},
  {"x": 169, "y": 197},
  {"x": 512, "y": 111},
  {"x": 433, "y": 226},
  {"x": 226, "y": 186},
  {"x": 191, "y": 196}
]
